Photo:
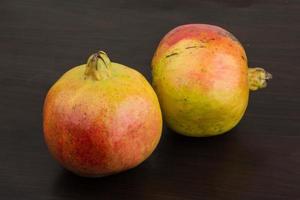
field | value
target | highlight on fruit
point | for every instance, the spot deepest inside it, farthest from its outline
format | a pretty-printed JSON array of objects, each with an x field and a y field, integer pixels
[
  {"x": 201, "y": 76},
  {"x": 101, "y": 118}
]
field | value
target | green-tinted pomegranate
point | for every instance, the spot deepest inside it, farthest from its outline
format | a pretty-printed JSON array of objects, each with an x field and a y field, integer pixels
[{"x": 202, "y": 79}]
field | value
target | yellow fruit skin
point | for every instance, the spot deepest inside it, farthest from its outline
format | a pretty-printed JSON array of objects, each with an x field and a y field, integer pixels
[
  {"x": 200, "y": 76},
  {"x": 101, "y": 127}
]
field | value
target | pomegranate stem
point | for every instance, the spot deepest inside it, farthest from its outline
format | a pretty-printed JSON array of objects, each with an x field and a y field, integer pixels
[
  {"x": 98, "y": 66},
  {"x": 257, "y": 78}
]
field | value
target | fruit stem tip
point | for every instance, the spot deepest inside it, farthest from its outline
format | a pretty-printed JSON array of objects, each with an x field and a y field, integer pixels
[
  {"x": 258, "y": 78},
  {"x": 98, "y": 66}
]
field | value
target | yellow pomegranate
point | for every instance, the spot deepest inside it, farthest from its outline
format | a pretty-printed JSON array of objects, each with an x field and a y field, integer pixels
[
  {"x": 202, "y": 79},
  {"x": 101, "y": 118}
]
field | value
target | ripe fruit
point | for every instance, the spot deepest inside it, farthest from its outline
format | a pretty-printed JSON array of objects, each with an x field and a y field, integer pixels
[
  {"x": 202, "y": 80},
  {"x": 101, "y": 118}
]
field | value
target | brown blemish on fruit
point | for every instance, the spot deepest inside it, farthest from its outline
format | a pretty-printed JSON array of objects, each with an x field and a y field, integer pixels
[
  {"x": 191, "y": 47},
  {"x": 172, "y": 54},
  {"x": 206, "y": 40},
  {"x": 196, "y": 46}
]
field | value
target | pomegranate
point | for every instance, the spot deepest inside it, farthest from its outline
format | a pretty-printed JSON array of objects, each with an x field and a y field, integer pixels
[
  {"x": 101, "y": 118},
  {"x": 202, "y": 79}
]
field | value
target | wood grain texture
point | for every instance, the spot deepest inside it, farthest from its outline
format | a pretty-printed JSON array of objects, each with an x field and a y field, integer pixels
[{"x": 259, "y": 159}]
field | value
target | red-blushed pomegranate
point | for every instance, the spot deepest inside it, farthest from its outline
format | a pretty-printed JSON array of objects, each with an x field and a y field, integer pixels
[
  {"x": 201, "y": 76},
  {"x": 101, "y": 118}
]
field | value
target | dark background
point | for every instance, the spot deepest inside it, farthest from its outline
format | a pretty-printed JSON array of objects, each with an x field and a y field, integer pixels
[{"x": 259, "y": 159}]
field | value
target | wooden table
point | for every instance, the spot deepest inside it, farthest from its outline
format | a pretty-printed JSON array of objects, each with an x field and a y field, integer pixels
[{"x": 259, "y": 159}]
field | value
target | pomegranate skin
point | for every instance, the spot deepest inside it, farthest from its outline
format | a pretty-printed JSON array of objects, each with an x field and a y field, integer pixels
[{"x": 101, "y": 119}]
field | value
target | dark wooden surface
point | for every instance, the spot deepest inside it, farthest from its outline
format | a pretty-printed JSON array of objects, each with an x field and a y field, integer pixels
[{"x": 259, "y": 159}]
